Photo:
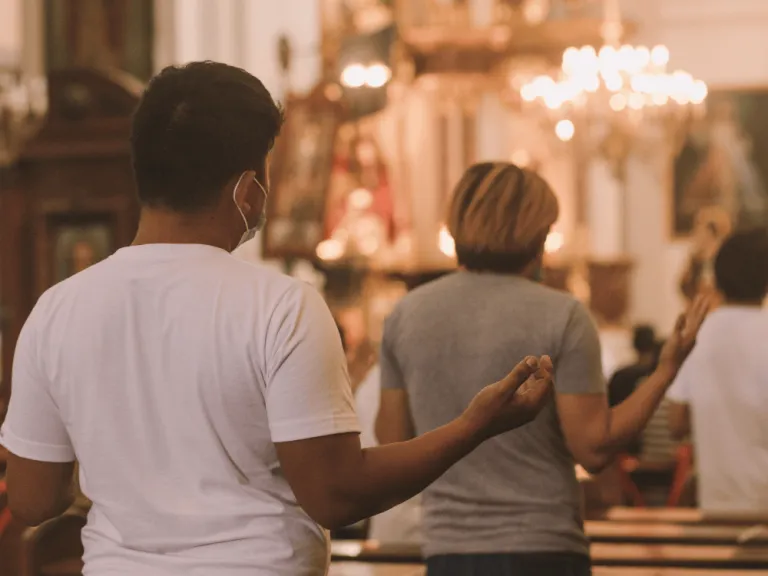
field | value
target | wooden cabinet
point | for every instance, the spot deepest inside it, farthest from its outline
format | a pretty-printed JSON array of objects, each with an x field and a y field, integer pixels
[{"x": 69, "y": 201}]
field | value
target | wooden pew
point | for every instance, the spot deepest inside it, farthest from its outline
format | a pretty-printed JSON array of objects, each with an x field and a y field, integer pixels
[
  {"x": 362, "y": 569},
  {"x": 681, "y": 516},
  {"x": 605, "y": 571},
  {"x": 679, "y": 556},
  {"x": 629, "y": 555},
  {"x": 663, "y": 533}
]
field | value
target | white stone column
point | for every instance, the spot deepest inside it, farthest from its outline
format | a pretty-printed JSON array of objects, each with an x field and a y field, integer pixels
[
  {"x": 604, "y": 211},
  {"x": 492, "y": 129},
  {"x": 33, "y": 37},
  {"x": 11, "y": 29},
  {"x": 422, "y": 155}
]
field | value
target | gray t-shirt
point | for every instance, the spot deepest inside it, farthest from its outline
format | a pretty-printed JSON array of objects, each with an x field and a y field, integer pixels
[{"x": 446, "y": 340}]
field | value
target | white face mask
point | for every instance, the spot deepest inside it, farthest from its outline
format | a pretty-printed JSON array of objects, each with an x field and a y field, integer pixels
[{"x": 250, "y": 232}]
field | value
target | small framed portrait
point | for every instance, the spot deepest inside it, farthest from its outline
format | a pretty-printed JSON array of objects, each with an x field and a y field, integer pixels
[
  {"x": 300, "y": 174},
  {"x": 79, "y": 246}
]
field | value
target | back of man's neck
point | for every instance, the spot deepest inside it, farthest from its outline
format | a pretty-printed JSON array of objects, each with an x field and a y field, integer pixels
[
  {"x": 755, "y": 304},
  {"x": 160, "y": 227}
]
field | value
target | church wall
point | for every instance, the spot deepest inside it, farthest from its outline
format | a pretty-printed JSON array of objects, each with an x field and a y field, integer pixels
[
  {"x": 720, "y": 41},
  {"x": 724, "y": 43}
]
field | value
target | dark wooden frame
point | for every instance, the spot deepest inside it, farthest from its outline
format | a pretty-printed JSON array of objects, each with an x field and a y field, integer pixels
[
  {"x": 54, "y": 213},
  {"x": 317, "y": 104},
  {"x": 77, "y": 167}
]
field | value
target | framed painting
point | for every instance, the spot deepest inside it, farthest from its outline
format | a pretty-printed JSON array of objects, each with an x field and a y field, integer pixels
[
  {"x": 70, "y": 238},
  {"x": 79, "y": 245},
  {"x": 300, "y": 174},
  {"x": 723, "y": 162}
]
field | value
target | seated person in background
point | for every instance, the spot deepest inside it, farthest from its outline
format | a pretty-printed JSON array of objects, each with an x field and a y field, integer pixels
[
  {"x": 402, "y": 523},
  {"x": 514, "y": 505},
  {"x": 721, "y": 392},
  {"x": 625, "y": 380}
]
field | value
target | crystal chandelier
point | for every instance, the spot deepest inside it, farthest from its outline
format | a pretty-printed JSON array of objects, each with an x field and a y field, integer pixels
[
  {"x": 618, "y": 83},
  {"x": 23, "y": 105}
]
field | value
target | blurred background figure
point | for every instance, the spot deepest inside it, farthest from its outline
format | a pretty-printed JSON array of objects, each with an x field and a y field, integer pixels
[
  {"x": 401, "y": 524},
  {"x": 720, "y": 395},
  {"x": 625, "y": 380}
]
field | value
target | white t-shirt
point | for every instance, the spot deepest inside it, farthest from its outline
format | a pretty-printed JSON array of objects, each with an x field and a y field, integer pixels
[
  {"x": 169, "y": 372},
  {"x": 725, "y": 383}
]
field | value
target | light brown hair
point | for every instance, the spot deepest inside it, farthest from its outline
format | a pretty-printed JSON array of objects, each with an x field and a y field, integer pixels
[{"x": 501, "y": 213}]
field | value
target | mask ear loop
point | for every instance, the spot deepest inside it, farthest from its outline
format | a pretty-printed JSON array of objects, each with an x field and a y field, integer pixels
[{"x": 234, "y": 199}]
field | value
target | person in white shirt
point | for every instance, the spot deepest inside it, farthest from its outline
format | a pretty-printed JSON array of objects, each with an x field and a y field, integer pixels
[
  {"x": 205, "y": 398},
  {"x": 720, "y": 394},
  {"x": 401, "y": 524}
]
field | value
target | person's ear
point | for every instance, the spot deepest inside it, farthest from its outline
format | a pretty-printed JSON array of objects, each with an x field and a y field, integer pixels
[{"x": 244, "y": 191}]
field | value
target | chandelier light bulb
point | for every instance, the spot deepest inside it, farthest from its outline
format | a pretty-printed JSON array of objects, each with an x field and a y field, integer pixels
[
  {"x": 642, "y": 57},
  {"x": 618, "y": 102},
  {"x": 377, "y": 75},
  {"x": 354, "y": 76},
  {"x": 613, "y": 82},
  {"x": 565, "y": 130},
  {"x": 699, "y": 92},
  {"x": 628, "y": 80},
  {"x": 660, "y": 55}
]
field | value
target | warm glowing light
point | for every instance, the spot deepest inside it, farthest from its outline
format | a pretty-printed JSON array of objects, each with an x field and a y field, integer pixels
[
  {"x": 642, "y": 56},
  {"x": 330, "y": 249},
  {"x": 554, "y": 242},
  {"x": 445, "y": 242},
  {"x": 699, "y": 93},
  {"x": 377, "y": 75},
  {"x": 528, "y": 92},
  {"x": 571, "y": 60},
  {"x": 660, "y": 55},
  {"x": 618, "y": 102},
  {"x": 521, "y": 158},
  {"x": 360, "y": 199},
  {"x": 565, "y": 130},
  {"x": 631, "y": 80},
  {"x": 636, "y": 101},
  {"x": 354, "y": 76},
  {"x": 614, "y": 83}
]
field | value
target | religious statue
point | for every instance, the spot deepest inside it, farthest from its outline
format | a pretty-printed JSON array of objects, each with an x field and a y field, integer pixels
[
  {"x": 360, "y": 208},
  {"x": 712, "y": 226}
]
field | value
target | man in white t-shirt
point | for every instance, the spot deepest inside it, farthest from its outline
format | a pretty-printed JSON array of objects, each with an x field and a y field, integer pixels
[
  {"x": 721, "y": 391},
  {"x": 205, "y": 398}
]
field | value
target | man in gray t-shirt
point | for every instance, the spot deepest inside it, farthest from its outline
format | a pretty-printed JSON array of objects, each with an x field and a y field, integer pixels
[
  {"x": 513, "y": 505},
  {"x": 517, "y": 493}
]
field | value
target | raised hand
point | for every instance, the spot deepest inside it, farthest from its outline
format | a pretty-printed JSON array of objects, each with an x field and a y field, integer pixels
[
  {"x": 514, "y": 400},
  {"x": 683, "y": 338}
]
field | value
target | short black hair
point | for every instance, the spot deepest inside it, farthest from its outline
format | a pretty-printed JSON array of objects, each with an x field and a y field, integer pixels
[
  {"x": 644, "y": 339},
  {"x": 741, "y": 266},
  {"x": 196, "y": 127}
]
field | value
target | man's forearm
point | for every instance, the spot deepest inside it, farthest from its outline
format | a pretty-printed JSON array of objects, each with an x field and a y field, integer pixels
[
  {"x": 628, "y": 419},
  {"x": 387, "y": 475}
]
